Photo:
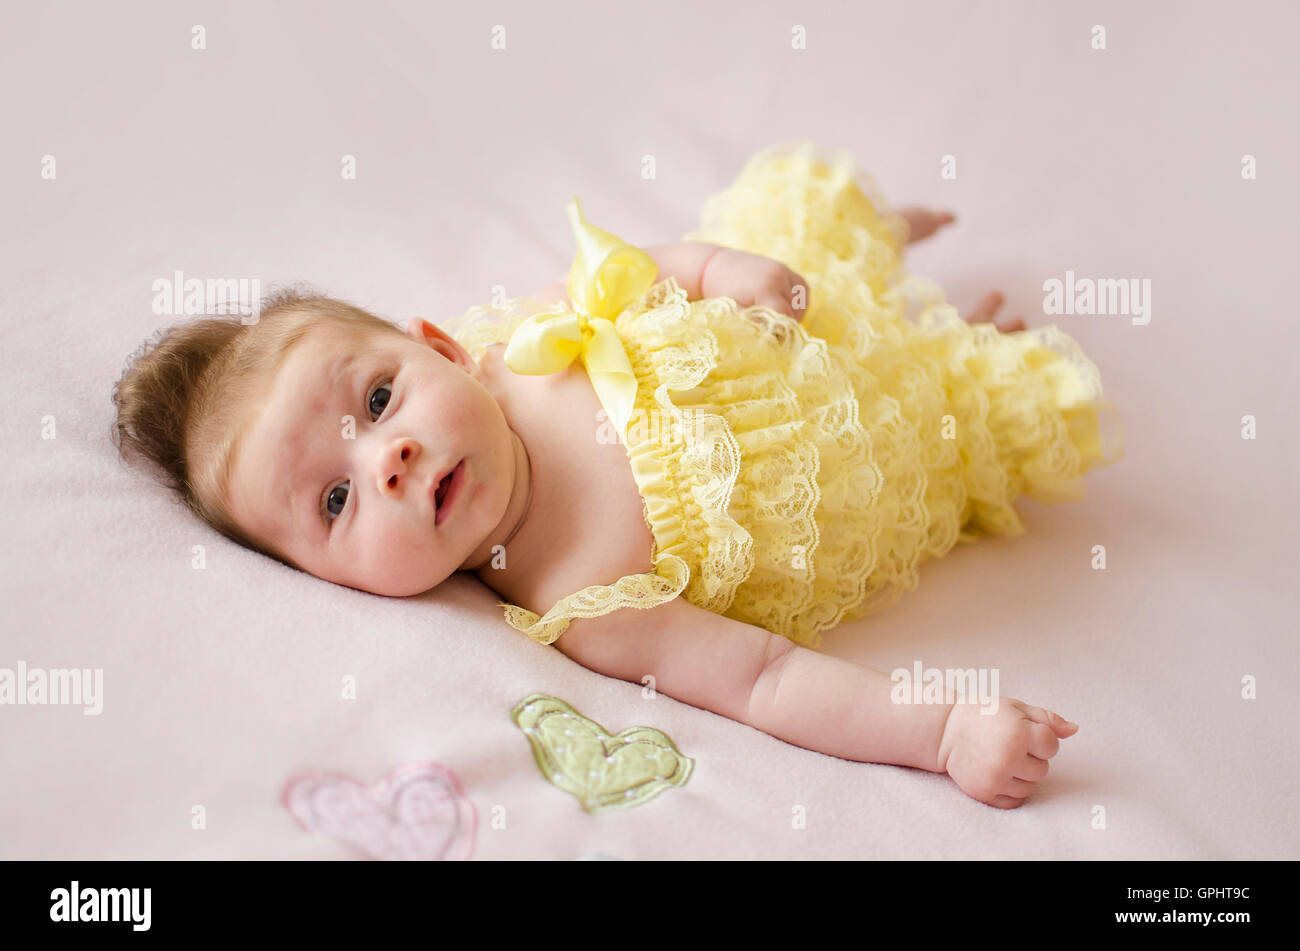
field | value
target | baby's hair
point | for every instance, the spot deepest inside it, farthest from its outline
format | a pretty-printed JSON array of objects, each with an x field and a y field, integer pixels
[{"x": 180, "y": 401}]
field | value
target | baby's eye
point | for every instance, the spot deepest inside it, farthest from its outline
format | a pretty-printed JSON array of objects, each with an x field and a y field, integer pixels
[
  {"x": 336, "y": 499},
  {"x": 379, "y": 399}
]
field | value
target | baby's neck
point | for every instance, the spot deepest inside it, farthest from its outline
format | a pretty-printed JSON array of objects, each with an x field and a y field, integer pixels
[
  {"x": 493, "y": 374},
  {"x": 517, "y": 510}
]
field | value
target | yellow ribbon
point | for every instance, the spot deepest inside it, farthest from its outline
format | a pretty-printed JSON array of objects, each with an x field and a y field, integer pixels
[{"x": 607, "y": 275}]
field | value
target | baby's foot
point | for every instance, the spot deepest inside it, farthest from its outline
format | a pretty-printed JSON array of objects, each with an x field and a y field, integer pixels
[
  {"x": 987, "y": 308},
  {"x": 921, "y": 222}
]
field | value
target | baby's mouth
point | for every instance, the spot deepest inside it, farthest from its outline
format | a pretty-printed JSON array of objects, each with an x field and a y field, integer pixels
[
  {"x": 447, "y": 492},
  {"x": 443, "y": 486}
]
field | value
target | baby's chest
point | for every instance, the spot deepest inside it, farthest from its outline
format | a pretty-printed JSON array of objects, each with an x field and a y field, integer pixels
[{"x": 595, "y": 529}]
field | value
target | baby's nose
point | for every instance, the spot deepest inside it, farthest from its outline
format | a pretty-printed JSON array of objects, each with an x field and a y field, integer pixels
[{"x": 395, "y": 464}]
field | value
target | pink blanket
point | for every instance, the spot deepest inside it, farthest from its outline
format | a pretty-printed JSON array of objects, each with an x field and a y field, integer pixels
[{"x": 130, "y": 154}]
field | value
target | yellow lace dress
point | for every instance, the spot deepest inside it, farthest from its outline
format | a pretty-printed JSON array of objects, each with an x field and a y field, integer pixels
[{"x": 796, "y": 474}]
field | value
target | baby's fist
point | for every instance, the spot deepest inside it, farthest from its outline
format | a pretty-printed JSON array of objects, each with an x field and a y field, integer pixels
[
  {"x": 998, "y": 758},
  {"x": 751, "y": 279}
]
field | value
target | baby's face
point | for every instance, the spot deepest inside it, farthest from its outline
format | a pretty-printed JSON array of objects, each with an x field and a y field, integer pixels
[{"x": 341, "y": 459}]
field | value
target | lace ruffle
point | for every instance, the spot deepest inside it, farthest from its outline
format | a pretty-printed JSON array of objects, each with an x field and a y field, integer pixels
[
  {"x": 962, "y": 418},
  {"x": 797, "y": 474},
  {"x": 764, "y": 411}
]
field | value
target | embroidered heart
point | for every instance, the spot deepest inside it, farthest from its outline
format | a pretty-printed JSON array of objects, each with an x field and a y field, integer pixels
[
  {"x": 602, "y": 771},
  {"x": 417, "y": 812}
]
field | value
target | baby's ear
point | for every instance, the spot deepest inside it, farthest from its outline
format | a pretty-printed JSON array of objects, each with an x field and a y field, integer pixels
[
  {"x": 436, "y": 338},
  {"x": 421, "y": 330}
]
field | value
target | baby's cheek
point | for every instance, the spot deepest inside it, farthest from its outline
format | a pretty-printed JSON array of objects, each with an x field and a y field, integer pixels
[
  {"x": 463, "y": 408},
  {"x": 397, "y": 559}
]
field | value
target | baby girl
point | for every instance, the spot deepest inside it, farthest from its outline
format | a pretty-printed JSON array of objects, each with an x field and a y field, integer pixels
[{"x": 743, "y": 438}]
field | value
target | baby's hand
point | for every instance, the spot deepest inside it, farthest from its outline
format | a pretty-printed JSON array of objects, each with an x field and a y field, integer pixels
[
  {"x": 751, "y": 279},
  {"x": 998, "y": 758}
]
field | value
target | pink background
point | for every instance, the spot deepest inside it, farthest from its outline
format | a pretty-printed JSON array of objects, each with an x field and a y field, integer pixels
[{"x": 222, "y": 683}]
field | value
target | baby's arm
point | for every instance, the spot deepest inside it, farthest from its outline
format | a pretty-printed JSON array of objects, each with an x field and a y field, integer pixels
[
  {"x": 710, "y": 270},
  {"x": 761, "y": 679},
  {"x": 809, "y": 699},
  {"x": 684, "y": 261}
]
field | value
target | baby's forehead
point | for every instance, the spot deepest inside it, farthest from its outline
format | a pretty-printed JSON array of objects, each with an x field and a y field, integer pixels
[
  {"x": 308, "y": 371},
  {"x": 305, "y": 380},
  {"x": 324, "y": 337},
  {"x": 329, "y": 345}
]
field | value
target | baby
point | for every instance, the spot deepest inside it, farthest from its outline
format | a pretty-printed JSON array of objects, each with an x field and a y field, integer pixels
[{"x": 328, "y": 439}]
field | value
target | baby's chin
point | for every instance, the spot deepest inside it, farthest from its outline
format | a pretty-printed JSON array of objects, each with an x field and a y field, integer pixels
[{"x": 389, "y": 588}]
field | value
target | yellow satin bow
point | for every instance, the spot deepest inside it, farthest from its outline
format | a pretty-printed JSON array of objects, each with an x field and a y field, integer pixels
[{"x": 607, "y": 275}]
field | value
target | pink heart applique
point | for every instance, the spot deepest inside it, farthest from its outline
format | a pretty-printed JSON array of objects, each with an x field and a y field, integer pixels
[{"x": 417, "y": 812}]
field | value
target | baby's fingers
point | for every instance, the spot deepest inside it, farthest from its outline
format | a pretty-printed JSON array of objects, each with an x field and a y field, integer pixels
[
  {"x": 778, "y": 303},
  {"x": 790, "y": 298},
  {"x": 1043, "y": 743},
  {"x": 1059, "y": 724},
  {"x": 1007, "y": 802},
  {"x": 1018, "y": 788},
  {"x": 1032, "y": 768}
]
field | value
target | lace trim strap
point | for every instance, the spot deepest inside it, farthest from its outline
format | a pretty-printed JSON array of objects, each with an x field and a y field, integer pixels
[{"x": 642, "y": 591}]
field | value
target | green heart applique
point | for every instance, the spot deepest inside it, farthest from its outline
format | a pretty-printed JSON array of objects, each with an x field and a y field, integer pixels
[{"x": 602, "y": 771}]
